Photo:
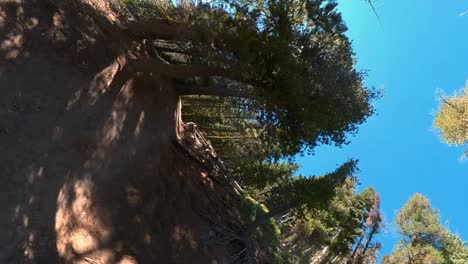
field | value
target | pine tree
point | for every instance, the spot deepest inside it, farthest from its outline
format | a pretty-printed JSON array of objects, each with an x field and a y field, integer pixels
[
  {"x": 326, "y": 235},
  {"x": 452, "y": 118},
  {"x": 291, "y": 59},
  {"x": 424, "y": 239}
]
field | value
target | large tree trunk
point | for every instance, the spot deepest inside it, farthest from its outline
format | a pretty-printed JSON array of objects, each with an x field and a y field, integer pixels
[{"x": 219, "y": 90}]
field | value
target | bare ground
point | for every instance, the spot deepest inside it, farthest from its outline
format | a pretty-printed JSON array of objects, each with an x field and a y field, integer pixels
[{"x": 89, "y": 168}]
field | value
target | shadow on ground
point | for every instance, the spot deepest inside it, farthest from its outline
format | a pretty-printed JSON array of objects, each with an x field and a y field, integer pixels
[{"x": 88, "y": 170}]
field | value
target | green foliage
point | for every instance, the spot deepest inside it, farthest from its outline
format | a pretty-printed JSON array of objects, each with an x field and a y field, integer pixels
[
  {"x": 418, "y": 222},
  {"x": 148, "y": 9},
  {"x": 232, "y": 128},
  {"x": 261, "y": 175},
  {"x": 268, "y": 234},
  {"x": 455, "y": 248},
  {"x": 302, "y": 63},
  {"x": 301, "y": 193},
  {"x": 291, "y": 58},
  {"x": 418, "y": 254},
  {"x": 267, "y": 80},
  {"x": 424, "y": 238},
  {"x": 330, "y": 233},
  {"x": 239, "y": 140},
  {"x": 452, "y": 118}
]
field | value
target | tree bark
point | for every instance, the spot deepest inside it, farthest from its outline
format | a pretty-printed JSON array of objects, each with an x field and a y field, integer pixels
[
  {"x": 178, "y": 70},
  {"x": 153, "y": 53},
  {"x": 173, "y": 31},
  {"x": 358, "y": 245},
  {"x": 160, "y": 29},
  {"x": 369, "y": 239},
  {"x": 219, "y": 90}
]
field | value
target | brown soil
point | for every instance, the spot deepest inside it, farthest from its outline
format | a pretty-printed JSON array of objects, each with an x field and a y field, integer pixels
[{"x": 89, "y": 168}]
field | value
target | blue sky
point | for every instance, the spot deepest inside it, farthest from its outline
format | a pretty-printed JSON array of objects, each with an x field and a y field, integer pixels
[{"x": 420, "y": 47}]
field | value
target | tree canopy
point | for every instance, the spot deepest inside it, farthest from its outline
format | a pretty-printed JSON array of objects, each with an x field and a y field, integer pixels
[
  {"x": 267, "y": 80},
  {"x": 344, "y": 232},
  {"x": 291, "y": 58},
  {"x": 452, "y": 118},
  {"x": 424, "y": 239},
  {"x": 298, "y": 194}
]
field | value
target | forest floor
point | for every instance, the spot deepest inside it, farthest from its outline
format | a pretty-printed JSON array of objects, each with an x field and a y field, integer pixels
[{"x": 91, "y": 168}]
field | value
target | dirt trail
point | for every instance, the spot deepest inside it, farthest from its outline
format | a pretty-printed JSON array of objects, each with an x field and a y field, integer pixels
[{"x": 88, "y": 168}]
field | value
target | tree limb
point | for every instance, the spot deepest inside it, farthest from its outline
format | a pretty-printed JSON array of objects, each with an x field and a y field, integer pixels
[
  {"x": 160, "y": 29},
  {"x": 180, "y": 71},
  {"x": 153, "y": 53},
  {"x": 222, "y": 89},
  {"x": 173, "y": 31}
]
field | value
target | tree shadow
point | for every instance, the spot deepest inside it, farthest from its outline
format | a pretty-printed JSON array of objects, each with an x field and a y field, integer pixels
[{"x": 88, "y": 171}]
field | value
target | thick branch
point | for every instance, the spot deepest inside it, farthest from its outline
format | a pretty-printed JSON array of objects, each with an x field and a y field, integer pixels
[
  {"x": 160, "y": 29},
  {"x": 165, "y": 30},
  {"x": 181, "y": 71},
  {"x": 188, "y": 49},
  {"x": 153, "y": 53},
  {"x": 222, "y": 90}
]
